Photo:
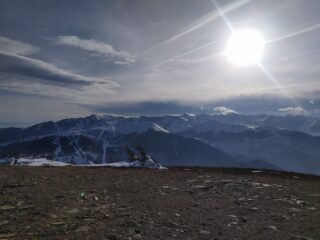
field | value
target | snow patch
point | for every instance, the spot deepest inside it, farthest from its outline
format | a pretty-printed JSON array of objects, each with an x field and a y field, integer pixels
[
  {"x": 148, "y": 163},
  {"x": 157, "y": 128},
  {"x": 223, "y": 111},
  {"x": 39, "y": 162}
]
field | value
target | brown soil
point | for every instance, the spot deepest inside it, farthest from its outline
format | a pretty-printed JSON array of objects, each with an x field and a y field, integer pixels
[{"x": 104, "y": 203}]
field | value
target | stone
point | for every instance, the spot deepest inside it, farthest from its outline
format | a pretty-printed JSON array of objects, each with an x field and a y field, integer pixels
[
  {"x": 3, "y": 222},
  {"x": 84, "y": 228},
  {"x": 6, "y": 208},
  {"x": 204, "y": 232},
  {"x": 58, "y": 223},
  {"x": 137, "y": 237},
  {"x": 73, "y": 211},
  {"x": 7, "y": 235},
  {"x": 26, "y": 207},
  {"x": 312, "y": 208},
  {"x": 271, "y": 227}
]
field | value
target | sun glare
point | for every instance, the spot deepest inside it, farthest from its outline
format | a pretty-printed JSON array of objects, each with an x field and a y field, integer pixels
[{"x": 245, "y": 47}]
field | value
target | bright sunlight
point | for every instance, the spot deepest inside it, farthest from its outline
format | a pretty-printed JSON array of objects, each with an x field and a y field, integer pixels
[{"x": 245, "y": 47}]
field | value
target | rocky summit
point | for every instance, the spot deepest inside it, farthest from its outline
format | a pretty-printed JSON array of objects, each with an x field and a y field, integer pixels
[{"x": 177, "y": 203}]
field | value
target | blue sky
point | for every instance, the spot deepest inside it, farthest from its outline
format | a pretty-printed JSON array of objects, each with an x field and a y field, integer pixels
[{"x": 72, "y": 58}]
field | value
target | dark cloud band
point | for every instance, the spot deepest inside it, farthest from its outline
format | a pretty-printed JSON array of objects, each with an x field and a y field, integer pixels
[{"x": 40, "y": 70}]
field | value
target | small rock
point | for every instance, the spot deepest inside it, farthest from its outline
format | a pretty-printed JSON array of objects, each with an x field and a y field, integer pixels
[
  {"x": 295, "y": 210},
  {"x": 3, "y": 222},
  {"x": 137, "y": 237},
  {"x": 73, "y": 211},
  {"x": 298, "y": 237},
  {"x": 300, "y": 202},
  {"x": 26, "y": 207},
  {"x": 162, "y": 193},
  {"x": 7, "y": 235},
  {"x": 7, "y": 207},
  {"x": 204, "y": 232},
  {"x": 232, "y": 223},
  {"x": 83, "y": 229},
  {"x": 20, "y": 203},
  {"x": 199, "y": 186},
  {"x": 312, "y": 208},
  {"x": 285, "y": 217},
  {"x": 89, "y": 220},
  {"x": 58, "y": 223},
  {"x": 271, "y": 227}
]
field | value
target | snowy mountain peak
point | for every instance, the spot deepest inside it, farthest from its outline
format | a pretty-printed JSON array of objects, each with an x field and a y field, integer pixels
[{"x": 223, "y": 111}]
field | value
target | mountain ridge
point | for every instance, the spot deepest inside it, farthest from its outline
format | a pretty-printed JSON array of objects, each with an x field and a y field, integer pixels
[{"x": 221, "y": 138}]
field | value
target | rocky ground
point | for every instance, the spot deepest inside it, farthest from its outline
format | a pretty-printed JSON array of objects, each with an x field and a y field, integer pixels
[{"x": 104, "y": 203}]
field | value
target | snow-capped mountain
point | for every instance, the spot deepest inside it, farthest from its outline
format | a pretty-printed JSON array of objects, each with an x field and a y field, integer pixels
[
  {"x": 228, "y": 139},
  {"x": 309, "y": 125}
]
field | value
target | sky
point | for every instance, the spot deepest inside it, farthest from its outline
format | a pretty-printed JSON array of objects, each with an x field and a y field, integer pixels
[{"x": 72, "y": 58}]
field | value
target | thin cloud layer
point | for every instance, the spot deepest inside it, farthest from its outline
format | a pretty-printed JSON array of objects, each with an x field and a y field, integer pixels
[
  {"x": 118, "y": 57},
  {"x": 16, "y": 47},
  {"x": 292, "y": 110},
  {"x": 40, "y": 70},
  {"x": 108, "y": 52}
]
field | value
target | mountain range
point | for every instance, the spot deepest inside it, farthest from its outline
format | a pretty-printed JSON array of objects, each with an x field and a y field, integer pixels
[{"x": 289, "y": 142}]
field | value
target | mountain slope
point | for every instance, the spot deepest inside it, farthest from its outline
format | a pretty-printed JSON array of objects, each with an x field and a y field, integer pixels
[
  {"x": 174, "y": 150},
  {"x": 293, "y": 151},
  {"x": 196, "y": 140},
  {"x": 70, "y": 149}
]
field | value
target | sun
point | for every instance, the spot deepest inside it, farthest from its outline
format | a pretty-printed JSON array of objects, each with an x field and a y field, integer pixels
[{"x": 245, "y": 47}]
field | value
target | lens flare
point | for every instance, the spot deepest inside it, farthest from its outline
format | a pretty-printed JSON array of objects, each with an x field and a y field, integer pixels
[{"x": 245, "y": 47}]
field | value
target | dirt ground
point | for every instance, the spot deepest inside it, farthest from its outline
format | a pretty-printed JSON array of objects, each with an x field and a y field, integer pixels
[{"x": 181, "y": 203}]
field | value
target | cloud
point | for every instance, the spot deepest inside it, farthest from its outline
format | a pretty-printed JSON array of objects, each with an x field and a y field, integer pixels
[
  {"x": 118, "y": 57},
  {"x": 118, "y": 62},
  {"x": 312, "y": 112},
  {"x": 224, "y": 111},
  {"x": 22, "y": 74},
  {"x": 16, "y": 47},
  {"x": 142, "y": 108},
  {"x": 12, "y": 64},
  {"x": 293, "y": 110},
  {"x": 205, "y": 20}
]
